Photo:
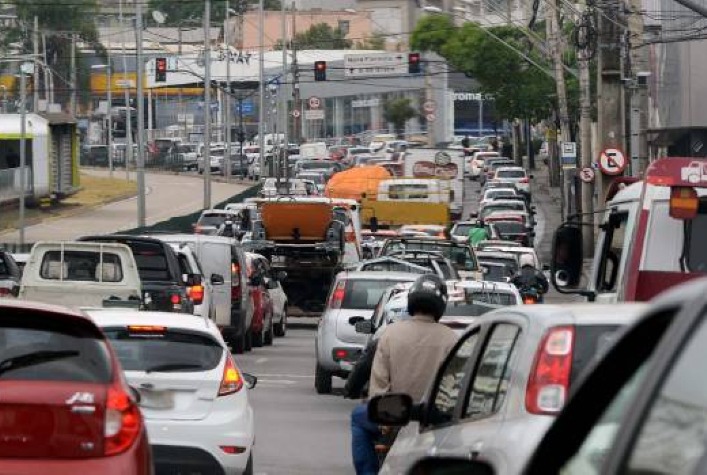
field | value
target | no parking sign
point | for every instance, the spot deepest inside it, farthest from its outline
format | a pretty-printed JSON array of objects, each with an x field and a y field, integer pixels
[{"x": 612, "y": 161}]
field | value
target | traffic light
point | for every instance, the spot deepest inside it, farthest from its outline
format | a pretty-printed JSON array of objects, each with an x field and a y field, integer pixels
[
  {"x": 161, "y": 70},
  {"x": 414, "y": 63},
  {"x": 320, "y": 70}
]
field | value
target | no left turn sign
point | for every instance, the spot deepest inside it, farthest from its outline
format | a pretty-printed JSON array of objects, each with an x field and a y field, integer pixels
[
  {"x": 314, "y": 102},
  {"x": 295, "y": 113},
  {"x": 429, "y": 106},
  {"x": 587, "y": 175},
  {"x": 612, "y": 161}
]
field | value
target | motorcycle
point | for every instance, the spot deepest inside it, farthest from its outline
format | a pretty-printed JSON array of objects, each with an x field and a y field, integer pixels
[{"x": 530, "y": 295}]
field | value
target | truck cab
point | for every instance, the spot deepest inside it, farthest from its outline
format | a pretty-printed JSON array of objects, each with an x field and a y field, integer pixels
[{"x": 650, "y": 238}]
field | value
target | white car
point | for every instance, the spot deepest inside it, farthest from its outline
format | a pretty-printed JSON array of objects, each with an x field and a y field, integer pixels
[
  {"x": 201, "y": 292},
  {"x": 493, "y": 194},
  {"x": 518, "y": 250},
  {"x": 192, "y": 395},
  {"x": 515, "y": 175},
  {"x": 475, "y": 164}
]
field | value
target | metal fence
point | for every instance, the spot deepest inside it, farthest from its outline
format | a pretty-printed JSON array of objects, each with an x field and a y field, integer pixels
[{"x": 11, "y": 183}]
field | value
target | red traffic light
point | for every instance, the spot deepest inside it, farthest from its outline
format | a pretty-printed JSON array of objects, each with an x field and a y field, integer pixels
[
  {"x": 320, "y": 70},
  {"x": 160, "y": 69},
  {"x": 414, "y": 58},
  {"x": 414, "y": 63}
]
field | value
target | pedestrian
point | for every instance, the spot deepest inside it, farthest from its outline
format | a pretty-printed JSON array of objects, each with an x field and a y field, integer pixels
[
  {"x": 406, "y": 360},
  {"x": 466, "y": 142}
]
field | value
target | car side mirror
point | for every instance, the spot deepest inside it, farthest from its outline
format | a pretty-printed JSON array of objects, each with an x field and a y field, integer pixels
[
  {"x": 545, "y": 268},
  {"x": 531, "y": 176},
  {"x": 566, "y": 265},
  {"x": 391, "y": 409},
  {"x": 450, "y": 466},
  {"x": 250, "y": 380},
  {"x": 217, "y": 279},
  {"x": 355, "y": 319},
  {"x": 193, "y": 279},
  {"x": 364, "y": 327}
]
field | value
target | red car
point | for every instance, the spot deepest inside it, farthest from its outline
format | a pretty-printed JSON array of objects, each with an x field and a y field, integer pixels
[
  {"x": 261, "y": 326},
  {"x": 64, "y": 404}
]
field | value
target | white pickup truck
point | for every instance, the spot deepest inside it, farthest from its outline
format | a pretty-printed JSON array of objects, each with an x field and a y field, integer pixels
[{"x": 81, "y": 274}]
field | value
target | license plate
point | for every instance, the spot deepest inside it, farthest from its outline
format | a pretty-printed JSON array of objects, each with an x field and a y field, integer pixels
[
  {"x": 150, "y": 399},
  {"x": 346, "y": 366}
]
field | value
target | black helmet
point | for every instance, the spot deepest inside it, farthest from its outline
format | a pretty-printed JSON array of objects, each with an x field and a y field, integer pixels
[{"x": 428, "y": 295}]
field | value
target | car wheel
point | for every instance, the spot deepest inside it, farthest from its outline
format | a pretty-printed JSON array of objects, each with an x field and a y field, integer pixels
[
  {"x": 269, "y": 334},
  {"x": 249, "y": 466},
  {"x": 280, "y": 329},
  {"x": 322, "y": 380},
  {"x": 248, "y": 340}
]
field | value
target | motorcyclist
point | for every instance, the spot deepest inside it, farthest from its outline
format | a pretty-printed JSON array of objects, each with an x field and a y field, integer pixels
[
  {"x": 228, "y": 229},
  {"x": 530, "y": 278},
  {"x": 478, "y": 233},
  {"x": 406, "y": 359}
]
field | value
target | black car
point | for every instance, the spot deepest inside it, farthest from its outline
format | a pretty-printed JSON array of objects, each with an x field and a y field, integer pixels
[
  {"x": 514, "y": 231},
  {"x": 163, "y": 286},
  {"x": 10, "y": 275}
]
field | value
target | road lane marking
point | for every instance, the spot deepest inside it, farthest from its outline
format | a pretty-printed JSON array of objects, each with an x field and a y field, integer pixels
[{"x": 261, "y": 360}]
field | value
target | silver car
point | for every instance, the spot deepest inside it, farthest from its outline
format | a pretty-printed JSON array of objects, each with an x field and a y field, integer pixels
[
  {"x": 502, "y": 385},
  {"x": 352, "y": 298}
]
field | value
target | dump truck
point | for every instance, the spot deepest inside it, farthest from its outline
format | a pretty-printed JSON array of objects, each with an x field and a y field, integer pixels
[{"x": 311, "y": 239}]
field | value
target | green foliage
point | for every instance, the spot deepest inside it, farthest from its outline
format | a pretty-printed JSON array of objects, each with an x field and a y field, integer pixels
[
  {"x": 519, "y": 88},
  {"x": 320, "y": 36},
  {"x": 179, "y": 12},
  {"x": 397, "y": 112},
  {"x": 377, "y": 41}
]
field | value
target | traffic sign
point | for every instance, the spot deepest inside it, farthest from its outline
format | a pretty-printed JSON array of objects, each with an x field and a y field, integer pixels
[
  {"x": 314, "y": 114},
  {"x": 431, "y": 117},
  {"x": 314, "y": 102},
  {"x": 429, "y": 106},
  {"x": 568, "y": 154},
  {"x": 587, "y": 175},
  {"x": 295, "y": 113},
  {"x": 375, "y": 64},
  {"x": 612, "y": 161}
]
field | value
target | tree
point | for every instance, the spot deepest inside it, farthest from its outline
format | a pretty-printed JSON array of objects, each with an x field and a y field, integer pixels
[
  {"x": 181, "y": 11},
  {"x": 397, "y": 112},
  {"x": 376, "y": 41},
  {"x": 320, "y": 36}
]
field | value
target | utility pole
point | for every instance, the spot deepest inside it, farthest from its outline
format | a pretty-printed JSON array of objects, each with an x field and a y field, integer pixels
[
  {"x": 109, "y": 78},
  {"x": 585, "y": 127},
  {"x": 639, "y": 74},
  {"x": 551, "y": 20},
  {"x": 283, "y": 95},
  {"x": 207, "y": 105},
  {"x": 227, "y": 99},
  {"x": 35, "y": 77},
  {"x": 128, "y": 113},
  {"x": 140, "y": 162},
  {"x": 73, "y": 75},
  {"x": 261, "y": 87},
  {"x": 296, "y": 106},
  {"x": 23, "y": 152}
]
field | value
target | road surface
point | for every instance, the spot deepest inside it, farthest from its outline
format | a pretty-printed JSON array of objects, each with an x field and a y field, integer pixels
[{"x": 167, "y": 196}]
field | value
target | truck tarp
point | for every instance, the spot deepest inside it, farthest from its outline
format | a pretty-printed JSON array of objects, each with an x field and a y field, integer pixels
[
  {"x": 285, "y": 220},
  {"x": 355, "y": 182}
]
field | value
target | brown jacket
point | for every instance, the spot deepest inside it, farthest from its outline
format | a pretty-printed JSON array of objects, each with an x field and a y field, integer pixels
[{"x": 408, "y": 356}]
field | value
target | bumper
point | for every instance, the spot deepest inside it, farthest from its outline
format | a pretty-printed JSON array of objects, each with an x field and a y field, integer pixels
[
  {"x": 325, "y": 356},
  {"x": 196, "y": 445}
]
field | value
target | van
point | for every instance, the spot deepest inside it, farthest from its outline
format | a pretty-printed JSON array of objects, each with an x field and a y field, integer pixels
[
  {"x": 224, "y": 266},
  {"x": 413, "y": 189},
  {"x": 81, "y": 274}
]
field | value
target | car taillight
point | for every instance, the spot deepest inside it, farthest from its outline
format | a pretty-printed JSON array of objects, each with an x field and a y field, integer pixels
[
  {"x": 196, "y": 294},
  {"x": 231, "y": 382},
  {"x": 122, "y": 422},
  {"x": 4, "y": 292},
  {"x": 338, "y": 295},
  {"x": 176, "y": 301},
  {"x": 549, "y": 381}
]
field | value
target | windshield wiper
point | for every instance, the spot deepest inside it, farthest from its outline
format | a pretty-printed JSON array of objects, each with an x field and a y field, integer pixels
[
  {"x": 163, "y": 368},
  {"x": 34, "y": 358}
]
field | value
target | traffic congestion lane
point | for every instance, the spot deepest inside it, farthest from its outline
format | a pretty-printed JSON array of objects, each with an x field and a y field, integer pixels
[
  {"x": 168, "y": 195},
  {"x": 296, "y": 431}
]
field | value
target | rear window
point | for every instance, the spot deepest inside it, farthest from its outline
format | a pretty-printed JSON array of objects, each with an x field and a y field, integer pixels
[
  {"x": 365, "y": 294},
  {"x": 212, "y": 219},
  {"x": 36, "y": 348},
  {"x": 85, "y": 266},
  {"x": 509, "y": 227},
  {"x": 460, "y": 255},
  {"x": 497, "y": 273},
  {"x": 590, "y": 341},
  {"x": 462, "y": 230},
  {"x": 164, "y": 351},
  {"x": 510, "y": 263},
  {"x": 511, "y": 173},
  {"x": 493, "y": 298},
  {"x": 467, "y": 309},
  {"x": 151, "y": 261}
]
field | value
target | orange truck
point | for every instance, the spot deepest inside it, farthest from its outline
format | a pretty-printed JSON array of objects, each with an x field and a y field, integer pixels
[{"x": 310, "y": 239}]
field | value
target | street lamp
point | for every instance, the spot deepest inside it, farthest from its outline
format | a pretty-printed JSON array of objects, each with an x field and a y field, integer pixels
[{"x": 109, "y": 98}]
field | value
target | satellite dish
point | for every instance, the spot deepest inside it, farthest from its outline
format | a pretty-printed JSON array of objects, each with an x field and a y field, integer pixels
[{"x": 158, "y": 16}]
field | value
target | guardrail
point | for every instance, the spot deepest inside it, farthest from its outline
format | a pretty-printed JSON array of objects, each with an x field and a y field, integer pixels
[{"x": 11, "y": 183}]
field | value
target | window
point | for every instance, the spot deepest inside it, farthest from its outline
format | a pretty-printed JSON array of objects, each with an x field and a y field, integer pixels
[
  {"x": 171, "y": 350},
  {"x": 511, "y": 173},
  {"x": 612, "y": 252},
  {"x": 446, "y": 393},
  {"x": 81, "y": 266},
  {"x": 490, "y": 297},
  {"x": 409, "y": 191},
  {"x": 151, "y": 261},
  {"x": 81, "y": 355},
  {"x": 493, "y": 373},
  {"x": 672, "y": 439},
  {"x": 364, "y": 294}
]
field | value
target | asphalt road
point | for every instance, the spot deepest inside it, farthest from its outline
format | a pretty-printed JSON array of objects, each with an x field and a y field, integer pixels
[
  {"x": 297, "y": 431},
  {"x": 166, "y": 196}
]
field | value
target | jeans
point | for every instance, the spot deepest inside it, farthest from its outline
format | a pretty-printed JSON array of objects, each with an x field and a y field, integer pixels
[{"x": 363, "y": 436}]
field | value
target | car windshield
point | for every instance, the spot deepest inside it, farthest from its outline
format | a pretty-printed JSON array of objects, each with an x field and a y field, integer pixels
[
  {"x": 510, "y": 174},
  {"x": 164, "y": 350},
  {"x": 509, "y": 227},
  {"x": 36, "y": 348},
  {"x": 212, "y": 219},
  {"x": 364, "y": 294},
  {"x": 509, "y": 262},
  {"x": 462, "y": 229},
  {"x": 461, "y": 256},
  {"x": 491, "y": 297},
  {"x": 495, "y": 273}
]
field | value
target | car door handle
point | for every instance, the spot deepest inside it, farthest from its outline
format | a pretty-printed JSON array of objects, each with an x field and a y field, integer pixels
[{"x": 476, "y": 449}]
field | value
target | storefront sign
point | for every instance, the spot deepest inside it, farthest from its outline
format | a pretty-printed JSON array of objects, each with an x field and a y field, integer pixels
[
  {"x": 359, "y": 103},
  {"x": 425, "y": 169}
]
